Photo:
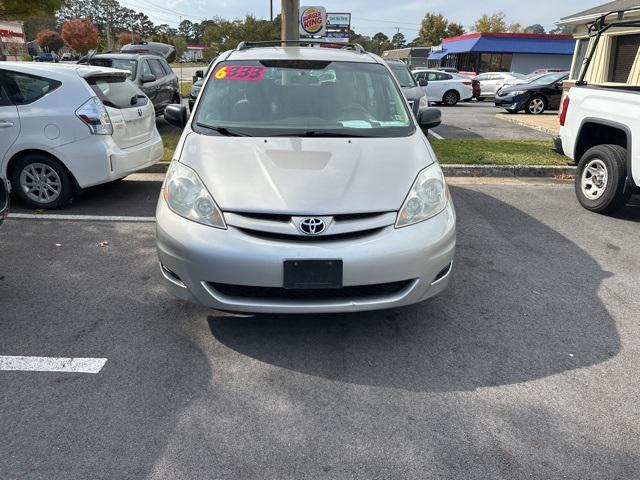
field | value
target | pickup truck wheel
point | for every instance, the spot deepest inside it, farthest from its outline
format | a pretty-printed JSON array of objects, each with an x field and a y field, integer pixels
[
  {"x": 41, "y": 182},
  {"x": 536, "y": 106},
  {"x": 601, "y": 179}
]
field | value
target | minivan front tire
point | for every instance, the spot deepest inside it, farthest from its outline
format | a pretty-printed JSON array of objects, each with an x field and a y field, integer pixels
[{"x": 41, "y": 182}]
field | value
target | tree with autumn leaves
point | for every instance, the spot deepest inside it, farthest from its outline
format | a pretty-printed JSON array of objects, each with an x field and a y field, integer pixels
[
  {"x": 49, "y": 40},
  {"x": 80, "y": 34}
]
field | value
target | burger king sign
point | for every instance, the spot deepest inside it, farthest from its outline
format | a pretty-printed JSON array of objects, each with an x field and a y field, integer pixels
[{"x": 313, "y": 20}]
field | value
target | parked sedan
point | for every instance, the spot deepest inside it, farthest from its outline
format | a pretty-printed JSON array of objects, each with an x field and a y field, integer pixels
[
  {"x": 491, "y": 82},
  {"x": 71, "y": 127},
  {"x": 534, "y": 97},
  {"x": 413, "y": 92},
  {"x": 4, "y": 200},
  {"x": 445, "y": 88}
]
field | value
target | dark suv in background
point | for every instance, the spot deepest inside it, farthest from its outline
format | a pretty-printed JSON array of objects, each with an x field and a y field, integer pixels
[{"x": 149, "y": 70}]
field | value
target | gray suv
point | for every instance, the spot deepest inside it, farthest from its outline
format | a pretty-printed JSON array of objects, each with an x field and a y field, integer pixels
[{"x": 149, "y": 71}]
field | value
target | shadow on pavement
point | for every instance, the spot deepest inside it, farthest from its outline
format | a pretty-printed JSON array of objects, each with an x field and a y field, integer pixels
[{"x": 522, "y": 305}]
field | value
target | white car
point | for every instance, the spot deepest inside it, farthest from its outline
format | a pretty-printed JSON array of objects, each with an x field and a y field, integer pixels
[
  {"x": 491, "y": 82},
  {"x": 445, "y": 88},
  {"x": 67, "y": 127}
]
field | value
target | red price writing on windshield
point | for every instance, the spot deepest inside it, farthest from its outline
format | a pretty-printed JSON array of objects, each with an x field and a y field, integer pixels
[{"x": 240, "y": 72}]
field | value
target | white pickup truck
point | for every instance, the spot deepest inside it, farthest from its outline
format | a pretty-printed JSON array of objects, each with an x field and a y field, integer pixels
[
  {"x": 600, "y": 127},
  {"x": 600, "y": 133}
]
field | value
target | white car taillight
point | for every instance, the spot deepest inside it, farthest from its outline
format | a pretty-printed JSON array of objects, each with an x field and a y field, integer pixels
[{"x": 95, "y": 116}]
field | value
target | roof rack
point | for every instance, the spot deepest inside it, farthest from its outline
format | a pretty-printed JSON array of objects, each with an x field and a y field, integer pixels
[
  {"x": 600, "y": 26},
  {"x": 246, "y": 45}
]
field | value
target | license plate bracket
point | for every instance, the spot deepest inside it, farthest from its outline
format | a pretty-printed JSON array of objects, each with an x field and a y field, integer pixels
[{"x": 312, "y": 274}]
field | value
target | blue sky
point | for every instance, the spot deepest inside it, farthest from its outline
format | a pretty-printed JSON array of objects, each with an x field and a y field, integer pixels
[{"x": 371, "y": 16}]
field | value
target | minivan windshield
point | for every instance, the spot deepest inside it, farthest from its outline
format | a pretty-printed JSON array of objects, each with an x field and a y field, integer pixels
[
  {"x": 302, "y": 98},
  {"x": 403, "y": 75}
]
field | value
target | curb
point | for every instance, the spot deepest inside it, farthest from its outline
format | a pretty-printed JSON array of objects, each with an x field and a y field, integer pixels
[
  {"x": 512, "y": 119},
  {"x": 553, "y": 171}
]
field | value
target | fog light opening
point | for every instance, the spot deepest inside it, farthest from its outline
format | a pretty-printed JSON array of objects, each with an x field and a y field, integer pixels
[
  {"x": 172, "y": 276},
  {"x": 443, "y": 273}
]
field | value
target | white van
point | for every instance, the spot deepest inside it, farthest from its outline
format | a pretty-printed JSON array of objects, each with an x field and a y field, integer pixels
[{"x": 67, "y": 127}]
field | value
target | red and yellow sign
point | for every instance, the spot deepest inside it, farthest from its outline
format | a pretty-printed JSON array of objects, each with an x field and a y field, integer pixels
[
  {"x": 312, "y": 20},
  {"x": 247, "y": 73}
]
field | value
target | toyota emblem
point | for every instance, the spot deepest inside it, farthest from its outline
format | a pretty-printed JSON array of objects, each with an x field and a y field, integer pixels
[{"x": 312, "y": 226}]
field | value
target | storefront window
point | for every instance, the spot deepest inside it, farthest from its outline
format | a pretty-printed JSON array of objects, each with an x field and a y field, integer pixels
[{"x": 495, "y": 62}]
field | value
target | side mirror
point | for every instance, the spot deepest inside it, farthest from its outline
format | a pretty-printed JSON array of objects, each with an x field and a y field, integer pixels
[
  {"x": 559, "y": 85},
  {"x": 199, "y": 73},
  {"x": 429, "y": 117},
  {"x": 176, "y": 115},
  {"x": 422, "y": 82},
  {"x": 148, "y": 78}
]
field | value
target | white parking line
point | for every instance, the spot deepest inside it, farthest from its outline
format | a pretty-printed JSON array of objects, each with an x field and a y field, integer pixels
[
  {"x": 435, "y": 135},
  {"x": 88, "y": 218},
  {"x": 51, "y": 364}
]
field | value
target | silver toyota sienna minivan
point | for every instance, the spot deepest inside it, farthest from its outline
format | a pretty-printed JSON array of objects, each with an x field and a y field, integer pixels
[{"x": 303, "y": 183}]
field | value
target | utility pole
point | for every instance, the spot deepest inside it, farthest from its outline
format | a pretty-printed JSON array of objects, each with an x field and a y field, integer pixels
[
  {"x": 290, "y": 12},
  {"x": 272, "y": 10}
]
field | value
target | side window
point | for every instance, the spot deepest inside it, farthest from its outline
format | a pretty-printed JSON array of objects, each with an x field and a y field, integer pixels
[
  {"x": 445, "y": 76},
  {"x": 483, "y": 77},
  {"x": 24, "y": 89},
  {"x": 4, "y": 101},
  {"x": 144, "y": 69},
  {"x": 166, "y": 67},
  {"x": 433, "y": 76},
  {"x": 156, "y": 68}
]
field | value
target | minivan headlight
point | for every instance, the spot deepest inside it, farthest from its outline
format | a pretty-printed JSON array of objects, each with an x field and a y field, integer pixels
[
  {"x": 428, "y": 197},
  {"x": 187, "y": 196}
]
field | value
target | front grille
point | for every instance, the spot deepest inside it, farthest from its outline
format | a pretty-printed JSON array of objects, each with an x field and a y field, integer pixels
[
  {"x": 275, "y": 293},
  {"x": 278, "y": 217},
  {"x": 294, "y": 237}
]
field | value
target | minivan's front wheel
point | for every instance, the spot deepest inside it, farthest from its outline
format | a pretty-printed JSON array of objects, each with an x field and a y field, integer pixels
[
  {"x": 41, "y": 182},
  {"x": 451, "y": 98},
  {"x": 601, "y": 179}
]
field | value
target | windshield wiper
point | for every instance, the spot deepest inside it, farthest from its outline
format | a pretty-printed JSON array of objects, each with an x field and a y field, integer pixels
[
  {"x": 319, "y": 134},
  {"x": 223, "y": 130}
]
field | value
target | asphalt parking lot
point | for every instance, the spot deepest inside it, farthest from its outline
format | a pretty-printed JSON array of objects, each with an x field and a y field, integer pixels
[
  {"x": 525, "y": 368},
  {"x": 478, "y": 120}
]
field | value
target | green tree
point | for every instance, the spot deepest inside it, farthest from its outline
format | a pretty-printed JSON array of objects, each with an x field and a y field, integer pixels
[
  {"x": 23, "y": 9},
  {"x": 515, "y": 27},
  {"x": 38, "y": 22},
  {"x": 454, "y": 30},
  {"x": 433, "y": 29},
  {"x": 398, "y": 40},
  {"x": 491, "y": 23},
  {"x": 535, "y": 28},
  {"x": 180, "y": 44}
]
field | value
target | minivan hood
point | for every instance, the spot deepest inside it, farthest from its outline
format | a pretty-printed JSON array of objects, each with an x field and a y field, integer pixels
[{"x": 307, "y": 176}]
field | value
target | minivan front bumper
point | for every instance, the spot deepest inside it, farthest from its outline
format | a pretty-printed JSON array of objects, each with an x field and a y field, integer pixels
[{"x": 234, "y": 271}]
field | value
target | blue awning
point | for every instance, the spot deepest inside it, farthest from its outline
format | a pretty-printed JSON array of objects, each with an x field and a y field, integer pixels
[
  {"x": 439, "y": 55},
  {"x": 511, "y": 44}
]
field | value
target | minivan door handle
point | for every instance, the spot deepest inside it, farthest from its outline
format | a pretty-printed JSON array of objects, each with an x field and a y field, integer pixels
[{"x": 5, "y": 124}]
